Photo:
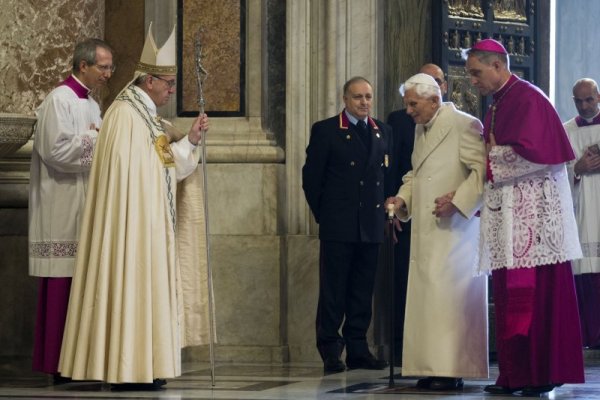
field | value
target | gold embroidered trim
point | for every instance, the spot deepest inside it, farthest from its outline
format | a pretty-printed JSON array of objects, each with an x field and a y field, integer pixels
[
  {"x": 162, "y": 147},
  {"x": 157, "y": 69}
]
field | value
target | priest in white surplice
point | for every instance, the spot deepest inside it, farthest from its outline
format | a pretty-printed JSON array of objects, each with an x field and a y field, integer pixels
[
  {"x": 445, "y": 330},
  {"x": 63, "y": 144},
  {"x": 137, "y": 298},
  {"x": 584, "y": 135}
]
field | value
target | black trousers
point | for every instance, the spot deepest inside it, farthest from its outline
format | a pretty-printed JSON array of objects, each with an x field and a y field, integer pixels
[{"x": 347, "y": 276}]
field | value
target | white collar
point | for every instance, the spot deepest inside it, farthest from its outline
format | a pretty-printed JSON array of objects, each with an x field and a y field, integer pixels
[
  {"x": 429, "y": 123},
  {"x": 147, "y": 101}
]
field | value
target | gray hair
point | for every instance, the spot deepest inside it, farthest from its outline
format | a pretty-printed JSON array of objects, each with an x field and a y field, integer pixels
[
  {"x": 486, "y": 57},
  {"x": 86, "y": 51},
  {"x": 354, "y": 79},
  {"x": 422, "y": 89},
  {"x": 140, "y": 79}
]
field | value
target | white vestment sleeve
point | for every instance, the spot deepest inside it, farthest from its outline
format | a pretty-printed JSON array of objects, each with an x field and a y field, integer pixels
[
  {"x": 62, "y": 143},
  {"x": 186, "y": 156},
  {"x": 506, "y": 164}
]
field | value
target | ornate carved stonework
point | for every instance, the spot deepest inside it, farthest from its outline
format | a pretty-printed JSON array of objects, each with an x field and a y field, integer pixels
[
  {"x": 465, "y": 8},
  {"x": 510, "y": 10},
  {"x": 461, "y": 23},
  {"x": 15, "y": 131},
  {"x": 461, "y": 92}
]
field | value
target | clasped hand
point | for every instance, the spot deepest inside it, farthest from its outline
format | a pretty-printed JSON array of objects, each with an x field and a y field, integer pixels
[
  {"x": 588, "y": 163},
  {"x": 444, "y": 206}
]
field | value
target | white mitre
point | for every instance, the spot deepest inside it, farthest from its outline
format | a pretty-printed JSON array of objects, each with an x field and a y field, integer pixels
[{"x": 158, "y": 61}]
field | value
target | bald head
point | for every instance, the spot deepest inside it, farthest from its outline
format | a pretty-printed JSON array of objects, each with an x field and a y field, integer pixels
[
  {"x": 436, "y": 73},
  {"x": 586, "y": 97},
  {"x": 586, "y": 83}
]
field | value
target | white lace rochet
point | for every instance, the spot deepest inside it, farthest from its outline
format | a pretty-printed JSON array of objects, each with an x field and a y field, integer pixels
[{"x": 527, "y": 214}]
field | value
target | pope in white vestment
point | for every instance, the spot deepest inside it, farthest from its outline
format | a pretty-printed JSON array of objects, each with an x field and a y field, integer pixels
[
  {"x": 126, "y": 321},
  {"x": 445, "y": 330}
]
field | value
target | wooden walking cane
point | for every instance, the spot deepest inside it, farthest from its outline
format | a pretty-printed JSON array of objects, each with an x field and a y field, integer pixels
[
  {"x": 389, "y": 260},
  {"x": 201, "y": 75}
]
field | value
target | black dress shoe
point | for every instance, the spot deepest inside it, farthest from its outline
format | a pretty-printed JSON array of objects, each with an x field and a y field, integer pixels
[
  {"x": 424, "y": 383},
  {"x": 333, "y": 364},
  {"x": 439, "y": 383},
  {"x": 536, "y": 391},
  {"x": 157, "y": 384},
  {"x": 498, "y": 389},
  {"x": 366, "y": 362},
  {"x": 58, "y": 379}
]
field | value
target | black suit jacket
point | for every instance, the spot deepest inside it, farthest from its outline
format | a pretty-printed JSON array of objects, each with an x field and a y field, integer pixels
[
  {"x": 403, "y": 134},
  {"x": 344, "y": 182}
]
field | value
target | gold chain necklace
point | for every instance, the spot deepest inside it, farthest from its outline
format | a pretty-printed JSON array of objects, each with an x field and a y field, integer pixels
[{"x": 495, "y": 105}]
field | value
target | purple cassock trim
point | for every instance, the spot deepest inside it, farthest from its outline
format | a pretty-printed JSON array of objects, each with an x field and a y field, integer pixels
[
  {"x": 80, "y": 90},
  {"x": 53, "y": 300},
  {"x": 588, "y": 297},
  {"x": 582, "y": 122},
  {"x": 550, "y": 350},
  {"x": 526, "y": 120}
]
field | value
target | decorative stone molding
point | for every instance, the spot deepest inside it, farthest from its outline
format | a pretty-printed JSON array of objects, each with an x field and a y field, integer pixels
[{"x": 15, "y": 131}]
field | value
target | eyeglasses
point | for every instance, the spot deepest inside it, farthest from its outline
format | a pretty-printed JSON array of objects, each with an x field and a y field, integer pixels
[
  {"x": 170, "y": 83},
  {"x": 439, "y": 81},
  {"x": 106, "y": 68}
]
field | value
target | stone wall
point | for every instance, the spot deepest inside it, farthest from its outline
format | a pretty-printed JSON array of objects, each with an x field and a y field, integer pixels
[{"x": 36, "y": 42}]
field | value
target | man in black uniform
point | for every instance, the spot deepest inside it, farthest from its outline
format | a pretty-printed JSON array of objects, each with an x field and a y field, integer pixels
[
  {"x": 403, "y": 134},
  {"x": 343, "y": 181}
]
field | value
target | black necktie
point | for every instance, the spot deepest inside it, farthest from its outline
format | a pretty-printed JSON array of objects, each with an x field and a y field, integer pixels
[{"x": 363, "y": 132}]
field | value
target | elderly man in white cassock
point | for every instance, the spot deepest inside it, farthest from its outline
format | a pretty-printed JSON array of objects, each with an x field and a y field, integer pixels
[
  {"x": 445, "y": 329},
  {"x": 137, "y": 296}
]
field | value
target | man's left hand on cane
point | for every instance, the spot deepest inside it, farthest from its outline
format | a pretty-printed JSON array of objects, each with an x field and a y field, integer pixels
[{"x": 200, "y": 125}]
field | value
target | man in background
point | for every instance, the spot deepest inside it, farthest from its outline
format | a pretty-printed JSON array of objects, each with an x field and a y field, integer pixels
[
  {"x": 584, "y": 135},
  {"x": 343, "y": 181},
  {"x": 63, "y": 146}
]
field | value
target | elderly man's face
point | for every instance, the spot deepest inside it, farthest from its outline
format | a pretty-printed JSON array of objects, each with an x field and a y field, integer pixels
[
  {"x": 358, "y": 99},
  {"x": 586, "y": 100},
  {"x": 421, "y": 109},
  {"x": 160, "y": 88}
]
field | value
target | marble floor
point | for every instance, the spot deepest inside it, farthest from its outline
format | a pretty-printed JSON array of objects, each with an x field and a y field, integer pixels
[{"x": 287, "y": 381}]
